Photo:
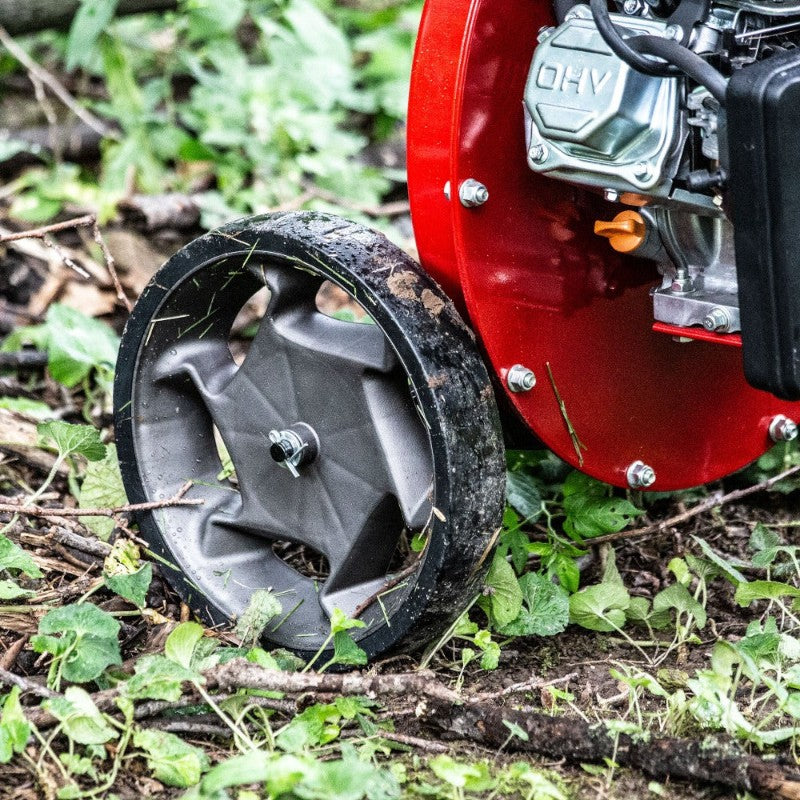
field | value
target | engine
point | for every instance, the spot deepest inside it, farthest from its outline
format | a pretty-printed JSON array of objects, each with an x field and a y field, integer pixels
[{"x": 701, "y": 152}]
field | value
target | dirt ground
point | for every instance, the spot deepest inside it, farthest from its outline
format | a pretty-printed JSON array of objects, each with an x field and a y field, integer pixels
[{"x": 577, "y": 662}]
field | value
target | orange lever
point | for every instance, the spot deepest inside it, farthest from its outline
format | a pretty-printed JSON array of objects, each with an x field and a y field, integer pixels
[{"x": 625, "y": 233}]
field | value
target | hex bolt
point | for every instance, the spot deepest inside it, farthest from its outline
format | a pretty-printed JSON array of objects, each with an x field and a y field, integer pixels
[
  {"x": 472, "y": 193},
  {"x": 631, "y": 7},
  {"x": 640, "y": 475},
  {"x": 520, "y": 379},
  {"x": 642, "y": 170},
  {"x": 538, "y": 153},
  {"x": 717, "y": 321},
  {"x": 545, "y": 32},
  {"x": 612, "y": 195},
  {"x": 674, "y": 32},
  {"x": 782, "y": 429}
]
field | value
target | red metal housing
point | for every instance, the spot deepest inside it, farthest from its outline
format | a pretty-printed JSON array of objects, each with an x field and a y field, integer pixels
[{"x": 542, "y": 290}]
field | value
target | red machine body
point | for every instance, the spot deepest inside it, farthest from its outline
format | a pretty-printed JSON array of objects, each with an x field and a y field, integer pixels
[{"x": 540, "y": 289}]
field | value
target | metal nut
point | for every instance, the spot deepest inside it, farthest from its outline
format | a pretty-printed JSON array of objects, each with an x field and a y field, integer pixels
[
  {"x": 538, "y": 153},
  {"x": 631, "y": 7},
  {"x": 472, "y": 193},
  {"x": 640, "y": 475},
  {"x": 520, "y": 379},
  {"x": 674, "y": 32},
  {"x": 717, "y": 321},
  {"x": 782, "y": 429},
  {"x": 642, "y": 170},
  {"x": 612, "y": 195}
]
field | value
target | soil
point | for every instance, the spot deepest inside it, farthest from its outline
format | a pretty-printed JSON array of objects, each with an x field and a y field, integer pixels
[{"x": 576, "y": 663}]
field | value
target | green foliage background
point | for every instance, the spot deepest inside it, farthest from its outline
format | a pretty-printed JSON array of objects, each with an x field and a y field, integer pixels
[{"x": 244, "y": 103}]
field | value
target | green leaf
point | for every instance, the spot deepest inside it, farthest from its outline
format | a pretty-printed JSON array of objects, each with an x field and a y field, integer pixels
[
  {"x": 679, "y": 598},
  {"x": 470, "y": 776},
  {"x": 346, "y": 651},
  {"x": 591, "y": 512},
  {"x": 252, "y": 767},
  {"x": 91, "y": 20},
  {"x": 725, "y": 567},
  {"x": 341, "y": 622},
  {"x": 158, "y": 678},
  {"x": 131, "y": 586},
  {"x": 747, "y": 593},
  {"x": 70, "y": 439},
  {"x": 102, "y": 488},
  {"x": 172, "y": 761},
  {"x": 28, "y": 408},
  {"x": 13, "y": 557},
  {"x": 15, "y": 730},
  {"x": 505, "y": 600},
  {"x": 523, "y": 494},
  {"x": 601, "y": 607},
  {"x": 545, "y": 609},
  {"x": 75, "y": 343},
  {"x": 180, "y": 644},
  {"x": 87, "y": 642},
  {"x": 261, "y": 610},
  {"x": 80, "y": 718},
  {"x": 11, "y": 591}
]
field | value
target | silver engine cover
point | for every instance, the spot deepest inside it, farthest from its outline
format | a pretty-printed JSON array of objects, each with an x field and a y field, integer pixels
[{"x": 592, "y": 120}]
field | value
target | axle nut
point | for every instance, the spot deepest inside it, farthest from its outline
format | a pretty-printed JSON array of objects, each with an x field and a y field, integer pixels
[
  {"x": 782, "y": 429},
  {"x": 717, "y": 321},
  {"x": 640, "y": 475},
  {"x": 472, "y": 193},
  {"x": 520, "y": 379}
]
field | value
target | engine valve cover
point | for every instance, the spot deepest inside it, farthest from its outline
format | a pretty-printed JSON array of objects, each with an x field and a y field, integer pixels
[{"x": 591, "y": 119}]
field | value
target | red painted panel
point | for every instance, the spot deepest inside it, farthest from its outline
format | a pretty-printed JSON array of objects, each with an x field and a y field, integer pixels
[{"x": 542, "y": 290}]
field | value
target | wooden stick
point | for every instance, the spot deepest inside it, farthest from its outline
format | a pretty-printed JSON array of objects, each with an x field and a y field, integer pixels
[{"x": 55, "y": 86}]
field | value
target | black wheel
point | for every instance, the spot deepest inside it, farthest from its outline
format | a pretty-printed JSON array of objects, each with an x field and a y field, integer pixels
[{"x": 347, "y": 439}]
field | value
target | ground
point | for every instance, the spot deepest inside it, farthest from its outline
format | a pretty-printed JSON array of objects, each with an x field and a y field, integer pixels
[{"x": 566, "y": 676}]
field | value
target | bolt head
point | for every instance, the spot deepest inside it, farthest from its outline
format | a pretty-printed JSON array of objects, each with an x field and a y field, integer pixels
[
  {"x": 545, "y": 32},
  {"x": 640, "y": 475},
  {"x": 717, "y": 321},
  {"x": 447, "y": 190},
  {"x": 782, "y": 429},
  {"x": 612, "y": 195},
  {"x": 642, "y": 170},
  {"x": 520, "y": 379},
  {"x": 674, "y": 32},
  {"x": 538, "y": 154},
  {"x": 630, "y": 6},
  {"x": 472, "y": 193}
]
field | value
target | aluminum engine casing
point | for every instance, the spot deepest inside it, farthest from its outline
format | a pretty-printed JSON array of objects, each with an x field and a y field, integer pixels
[{"x": 591, "y": 119}]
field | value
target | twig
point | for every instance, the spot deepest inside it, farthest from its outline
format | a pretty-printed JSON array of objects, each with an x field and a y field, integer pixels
[
  {"x": 576, "y": 740},
  {"x": 396, "y": 580},
  {"x": 92, "y": 547},
  {"x": 86, "y": 221},
  {"x": 526, "y": 686},
  {"x": 37, "y": 511},
  {"x": 12, "y": 679},
  {"x": 55, "y": 86},
  {"x": 240, "y": 674},
  {"x": 714, "y": 501},
  {"x": 577, "y": 444},
  {"x": 111, "y": 266}
]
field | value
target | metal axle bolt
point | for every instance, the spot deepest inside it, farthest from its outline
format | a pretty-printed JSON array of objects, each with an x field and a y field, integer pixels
[
  {"x": 631, "y": 7},
  {"x": 717, "y": 321},
  {"x": 642, "y": 170},
  {"x": 782, "y": 429},
  {"x": 472, "y": 193},
  {"x": 640, "y": 475},
  {"x": 294, "y": 447},
  {"x": 520, "y": 379}
]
